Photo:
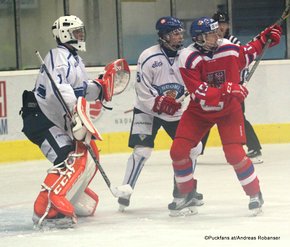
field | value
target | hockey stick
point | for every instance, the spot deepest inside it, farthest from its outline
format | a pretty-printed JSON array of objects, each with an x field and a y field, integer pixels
[
  {"x": 282, "y": 18},
  {"x": 120, "y": 191}
]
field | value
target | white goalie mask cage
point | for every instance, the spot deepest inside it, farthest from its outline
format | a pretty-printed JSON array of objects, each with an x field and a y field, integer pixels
[{"x": 70, "y": 29}]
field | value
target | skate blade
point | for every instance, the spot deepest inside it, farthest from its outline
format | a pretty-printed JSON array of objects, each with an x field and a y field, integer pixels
[
  {"x": 198, "y": 203},
  {"x": 256, "y": 160},
  {"x": 183, "y": 212},
  {"x": 255, "y": 212},
  {"x": 62, "y": 223}
]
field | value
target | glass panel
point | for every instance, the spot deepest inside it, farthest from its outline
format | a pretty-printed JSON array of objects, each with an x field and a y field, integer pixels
[
  {"x": 7, "y": 40},
  {"x": 138, "y": 25},
  {"x": 100, "y": 20},
  {"x": 36, "y": 19},
  {"x": 251, "y": 17},
  {"x": 188, "y": 10}
]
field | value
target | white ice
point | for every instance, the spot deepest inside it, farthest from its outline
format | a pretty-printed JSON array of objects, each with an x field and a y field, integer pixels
[{"x": 146, "y": 221}]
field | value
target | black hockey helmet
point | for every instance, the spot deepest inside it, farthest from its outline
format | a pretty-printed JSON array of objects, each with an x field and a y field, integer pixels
[{"x": 221, "y": 17}]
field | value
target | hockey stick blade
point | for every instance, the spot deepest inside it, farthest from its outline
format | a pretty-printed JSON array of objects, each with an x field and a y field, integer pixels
[{"x": 122, "y": 190}]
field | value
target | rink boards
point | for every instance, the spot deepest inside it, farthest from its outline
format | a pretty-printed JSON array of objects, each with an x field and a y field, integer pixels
[{"x": 267, "y": 108}]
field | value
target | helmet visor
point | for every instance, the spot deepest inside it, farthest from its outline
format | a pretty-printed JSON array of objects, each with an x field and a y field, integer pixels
[{"x": 79, "y": 34}]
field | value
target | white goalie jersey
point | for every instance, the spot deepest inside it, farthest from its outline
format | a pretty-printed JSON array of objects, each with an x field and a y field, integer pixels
[
  {"x": 157, "y": 74},
  {"x": 68, "y": 72}
]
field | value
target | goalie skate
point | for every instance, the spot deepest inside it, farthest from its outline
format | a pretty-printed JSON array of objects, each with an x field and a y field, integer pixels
[
  {"x": 62, "y": 222},
  {"x": 183, "y": 206},
  {"x": 255, "y": 204}
]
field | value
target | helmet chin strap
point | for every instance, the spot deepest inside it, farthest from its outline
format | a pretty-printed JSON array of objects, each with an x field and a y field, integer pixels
[
  {"x": 165, "y": 43},
  {"x": 205, "y": 45}
]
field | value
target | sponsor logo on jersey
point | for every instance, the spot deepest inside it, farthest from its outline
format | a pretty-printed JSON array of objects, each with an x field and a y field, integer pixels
[{"x": 157, "y": 64}]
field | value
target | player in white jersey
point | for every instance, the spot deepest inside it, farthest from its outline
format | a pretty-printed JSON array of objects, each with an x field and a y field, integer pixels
[
  {"x": 65, "y": 193},
  {"x": 253, "y": 143},
  {"x": 159, "y": 86}
]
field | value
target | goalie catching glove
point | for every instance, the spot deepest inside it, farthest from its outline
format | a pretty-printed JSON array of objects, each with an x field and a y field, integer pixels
[{"x": 165, "y": 104}]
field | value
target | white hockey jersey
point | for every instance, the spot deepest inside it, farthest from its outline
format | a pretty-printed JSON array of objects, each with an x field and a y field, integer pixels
[
  {"x": 68, "y": 72},
  {"x": 157, "y": 74}
]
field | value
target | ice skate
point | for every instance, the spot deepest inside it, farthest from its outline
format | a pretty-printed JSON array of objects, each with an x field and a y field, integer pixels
[
  {"x": 183, "y": 206},
  {"x": 61, "y": 222},
  {"x": 255, "y": 156},
  {"x": 255, "y": 204},
  {"x": 198, "y": 197},
  {"x": 123, "y": 203}
]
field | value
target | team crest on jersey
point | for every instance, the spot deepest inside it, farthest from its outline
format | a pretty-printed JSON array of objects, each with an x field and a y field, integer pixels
[
  {"x": 216, "y": 78},
  {"x": 173, "y": 90}
]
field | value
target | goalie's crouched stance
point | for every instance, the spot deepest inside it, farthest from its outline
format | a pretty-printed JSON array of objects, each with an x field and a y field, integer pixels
[{"x": 64, "y": 194}]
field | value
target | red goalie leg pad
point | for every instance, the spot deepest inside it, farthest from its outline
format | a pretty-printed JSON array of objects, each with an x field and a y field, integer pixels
[
  {"x": 41, "y": 202},
  {"x": 87, "y": 203},
  {"x": 59, "y": 183},
  {"x": 69, "y": 181},
  {"x": 40, "y": 206}
]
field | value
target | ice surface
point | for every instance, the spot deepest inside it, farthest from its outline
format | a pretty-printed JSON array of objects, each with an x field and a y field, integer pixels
[{"x": 146, "y": 221}]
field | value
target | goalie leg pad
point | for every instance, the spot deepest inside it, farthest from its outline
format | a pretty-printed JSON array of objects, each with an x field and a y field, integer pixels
[
  {"x": 62, "y": 183},
  {"x": 87, "y": 203}
]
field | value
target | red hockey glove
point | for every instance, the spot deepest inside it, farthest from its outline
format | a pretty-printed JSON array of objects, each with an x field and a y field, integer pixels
[
  {"x": 165, "y": 104},
  {"x": 273, "y": 32},
  {"x": 235, "y": 90}
]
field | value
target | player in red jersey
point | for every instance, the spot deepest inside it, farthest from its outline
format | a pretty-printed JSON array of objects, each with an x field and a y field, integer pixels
[{"x": 210, "y": 68}]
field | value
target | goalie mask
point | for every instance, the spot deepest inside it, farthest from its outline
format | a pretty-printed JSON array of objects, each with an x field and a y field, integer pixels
[
  {"x": 170, "y": 32},
  {"x": 70, "y": 30},
  {"x": 204, "y": 33}
]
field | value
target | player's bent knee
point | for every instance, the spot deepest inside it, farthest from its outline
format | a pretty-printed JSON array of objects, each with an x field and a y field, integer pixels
[
  {"x": 234, "y": 153},
  {"x": 180, "y": 149},
  {"x": 195, "y": 151},
  {"x": 63, "y": 154},
  {"x": 143, "y": 151}
]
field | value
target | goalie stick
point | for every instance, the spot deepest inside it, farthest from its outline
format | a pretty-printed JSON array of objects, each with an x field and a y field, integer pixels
[
  {"x": 282, "y": 18},
  {"x": 120, "y": 191}
]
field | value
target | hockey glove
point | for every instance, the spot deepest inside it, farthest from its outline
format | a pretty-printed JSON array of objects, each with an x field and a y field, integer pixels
[
  {"x": 106, "y": 86},
  {"x": 79, "y": 131},
  {"x": 273, "y": 32},
  {"x": 234, "y": 90},
  {"x": 165, "y": 104}
]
